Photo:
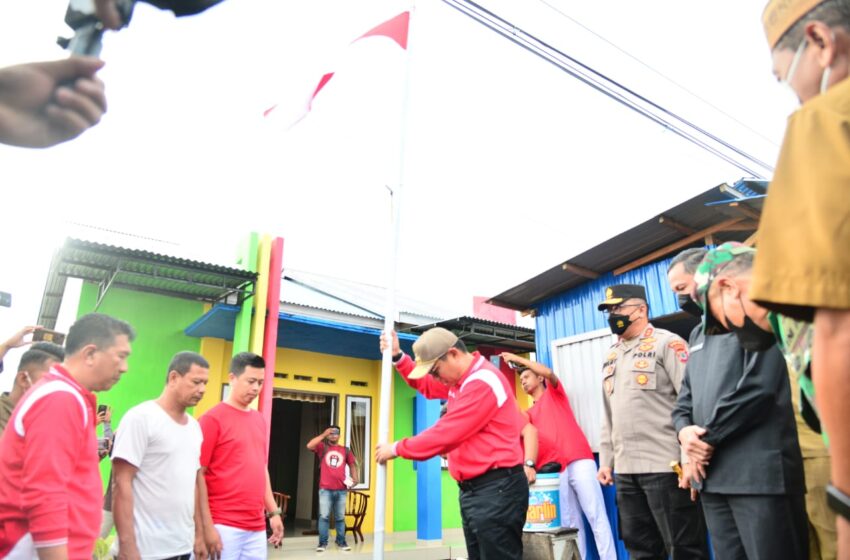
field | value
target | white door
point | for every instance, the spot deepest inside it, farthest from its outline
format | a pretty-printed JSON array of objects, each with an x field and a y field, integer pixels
[{"x": 577, "y": 362}]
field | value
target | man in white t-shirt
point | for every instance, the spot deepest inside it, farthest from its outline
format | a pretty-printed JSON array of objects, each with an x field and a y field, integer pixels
[{"x": 155, "y": 463}]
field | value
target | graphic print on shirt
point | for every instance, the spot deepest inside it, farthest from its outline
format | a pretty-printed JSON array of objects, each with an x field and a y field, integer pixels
[{"x": 334, "y": 459}]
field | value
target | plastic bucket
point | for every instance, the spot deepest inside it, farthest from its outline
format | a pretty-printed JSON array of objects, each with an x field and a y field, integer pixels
[{"x": 544, "y": 504}]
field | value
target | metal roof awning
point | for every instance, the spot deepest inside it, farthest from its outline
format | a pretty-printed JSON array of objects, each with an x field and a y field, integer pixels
[
  {"x": 723, "y": 213},
  {"x": 303, "y": 333},
  {"x": 110, "y": 266},
  {"x": 483, "y": 332}
]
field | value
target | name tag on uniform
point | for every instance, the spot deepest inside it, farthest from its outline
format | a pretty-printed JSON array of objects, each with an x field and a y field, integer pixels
[{"x": 696, "y": 347}]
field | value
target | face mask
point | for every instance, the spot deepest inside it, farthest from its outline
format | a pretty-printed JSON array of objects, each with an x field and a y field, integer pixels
[
  {"x": 618, "y": 323},
  {"x": 795, "y": 62},
  {"x": 751, "y": 337},
  {"x": 688, "y": 305}
]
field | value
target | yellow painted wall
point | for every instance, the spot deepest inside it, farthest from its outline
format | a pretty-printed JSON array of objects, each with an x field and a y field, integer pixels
[{"x": 297, "y": 362}]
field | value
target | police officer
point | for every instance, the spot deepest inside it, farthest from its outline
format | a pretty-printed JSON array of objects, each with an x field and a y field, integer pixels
[{"x": 642, "y": 375}]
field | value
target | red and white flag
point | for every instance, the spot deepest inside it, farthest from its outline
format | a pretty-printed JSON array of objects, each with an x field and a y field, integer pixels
[{"x": 395, "y": 28}]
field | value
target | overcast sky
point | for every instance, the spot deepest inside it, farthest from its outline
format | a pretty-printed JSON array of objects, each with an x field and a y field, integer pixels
[{"x": 511, "y": 165}]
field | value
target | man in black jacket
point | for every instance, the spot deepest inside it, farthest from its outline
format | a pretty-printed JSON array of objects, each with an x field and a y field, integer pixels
[{"x": 736, "y": 424}]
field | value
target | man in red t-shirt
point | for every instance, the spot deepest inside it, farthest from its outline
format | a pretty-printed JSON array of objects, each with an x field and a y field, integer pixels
[
  {"x": 562, "y": 441},
  {"x": 333, "y": 484},
  {"x": 235, "y": 489}
]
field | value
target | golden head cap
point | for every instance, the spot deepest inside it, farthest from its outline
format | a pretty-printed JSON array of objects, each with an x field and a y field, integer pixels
[{"x": 780, "y": 15}]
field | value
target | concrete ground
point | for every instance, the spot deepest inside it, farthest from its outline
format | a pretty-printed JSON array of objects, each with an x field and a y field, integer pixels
[{"x": 397, "y": 546}]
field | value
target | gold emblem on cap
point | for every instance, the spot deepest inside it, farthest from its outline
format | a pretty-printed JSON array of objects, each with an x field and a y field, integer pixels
[{"x": 609, "y": 293}]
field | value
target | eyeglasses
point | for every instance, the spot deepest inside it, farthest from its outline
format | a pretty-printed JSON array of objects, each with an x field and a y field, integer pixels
[
  {"x": 617, "y": 308},
  {"x": 435, "y": 369}
]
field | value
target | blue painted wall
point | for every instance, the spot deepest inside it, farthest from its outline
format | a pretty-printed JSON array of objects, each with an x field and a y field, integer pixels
[{"x": 574, "y": 311}]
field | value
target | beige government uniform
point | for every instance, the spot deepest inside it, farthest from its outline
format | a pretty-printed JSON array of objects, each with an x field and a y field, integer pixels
[{"x": 641, "y": 381}]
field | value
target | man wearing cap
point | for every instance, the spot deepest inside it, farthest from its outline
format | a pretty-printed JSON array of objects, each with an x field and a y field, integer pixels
[
  {"x": 803, "y": 265},
  {"x": 642, "y": 376},
  {"x": 738, "y": 424},
  {"x": 481, "y": 434}
]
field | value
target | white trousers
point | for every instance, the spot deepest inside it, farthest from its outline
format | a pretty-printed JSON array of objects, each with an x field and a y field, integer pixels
[
  {"x": 580, "y": 492},
  {"x": 238, "y": 544}
]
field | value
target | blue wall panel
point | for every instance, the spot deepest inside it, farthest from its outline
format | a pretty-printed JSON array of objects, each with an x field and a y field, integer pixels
[{"x": 574, "y": 312}]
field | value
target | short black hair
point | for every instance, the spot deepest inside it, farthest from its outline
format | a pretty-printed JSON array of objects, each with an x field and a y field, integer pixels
[
  {"x": 334, "y": 426},
  {"x": 98, "y": 329},
  {"x": 51, "y": 348},
  {"x": 35, "y": 357},
  {"x": 689, "y": 258},
  {"x": 243, "y": 360},
  {"x": 460, "y": 345},
  {"x": 182, "y": 362}
]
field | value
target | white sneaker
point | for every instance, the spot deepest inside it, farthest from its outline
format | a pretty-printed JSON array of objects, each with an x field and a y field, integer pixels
[
  {"x": 321, "y": 548},
  {"x": 344, "y": 547}
]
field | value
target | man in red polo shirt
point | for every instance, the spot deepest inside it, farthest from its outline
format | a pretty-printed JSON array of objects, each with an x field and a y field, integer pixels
[
  {"x": 50, "y": 486},
  {"x": 562, "y": 441},
  {"x": 480, "y": 433}
]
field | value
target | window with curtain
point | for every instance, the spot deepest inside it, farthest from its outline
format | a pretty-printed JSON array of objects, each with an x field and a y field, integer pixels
[{"x": 358, "y": 422}]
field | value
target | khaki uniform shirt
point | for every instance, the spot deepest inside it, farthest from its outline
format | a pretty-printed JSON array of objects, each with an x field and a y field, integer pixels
[
  {"x": 641, "y": 381},
  {"x": 6, "y": 408},
  {"x": 803, "y": 259}
]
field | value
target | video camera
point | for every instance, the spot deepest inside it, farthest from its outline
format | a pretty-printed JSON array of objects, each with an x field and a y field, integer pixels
[{"x": 88, "y": 30}]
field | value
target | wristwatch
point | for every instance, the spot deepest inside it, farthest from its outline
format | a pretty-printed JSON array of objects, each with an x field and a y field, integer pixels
[
  {"x": 271, "y": 514},
  {"x": 530, "y": 464}
]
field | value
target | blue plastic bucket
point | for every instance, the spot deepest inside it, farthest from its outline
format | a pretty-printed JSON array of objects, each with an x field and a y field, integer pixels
[{"x": 544, "y": 504}]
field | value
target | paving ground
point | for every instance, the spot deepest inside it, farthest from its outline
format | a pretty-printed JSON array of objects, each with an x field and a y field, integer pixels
[{"x": 397, "y": 546}]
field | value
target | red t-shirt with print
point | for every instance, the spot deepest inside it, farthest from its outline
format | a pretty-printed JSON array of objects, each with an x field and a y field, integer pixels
[{"x": 332, "y": 461}]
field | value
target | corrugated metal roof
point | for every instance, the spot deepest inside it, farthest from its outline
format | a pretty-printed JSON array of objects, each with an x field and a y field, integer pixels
[
  {"x": 134, "y": 269},
  {"x": 703, "y": 211},
  {"x": 485, "y": 332},
  {"x": 350, "y": 297}
]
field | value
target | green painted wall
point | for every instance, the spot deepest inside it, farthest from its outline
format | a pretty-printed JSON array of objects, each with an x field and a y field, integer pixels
[
  {"x": 159, "y": 322},
  {"x": 404, "y": 477}
]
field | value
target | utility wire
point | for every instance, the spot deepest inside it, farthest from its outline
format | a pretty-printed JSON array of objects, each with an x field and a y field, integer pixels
[
  {"x": 658, "y": 72},
  {"x": 602, "y": 83}
]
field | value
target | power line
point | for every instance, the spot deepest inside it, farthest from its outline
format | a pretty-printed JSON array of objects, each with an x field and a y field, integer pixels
[
  {"x": 658, "y": 72},
  {"x": 607, "y": 86}
]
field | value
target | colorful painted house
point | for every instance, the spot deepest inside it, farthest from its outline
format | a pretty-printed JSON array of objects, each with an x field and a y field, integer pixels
[{"x": 320, "y": 336}]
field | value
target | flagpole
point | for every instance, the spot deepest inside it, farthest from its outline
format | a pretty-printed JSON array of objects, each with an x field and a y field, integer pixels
[{"x": 396, "y": 196}]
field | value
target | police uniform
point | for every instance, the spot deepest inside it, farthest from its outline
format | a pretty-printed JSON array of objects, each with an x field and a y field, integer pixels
[{"x": 641, "y": 380}]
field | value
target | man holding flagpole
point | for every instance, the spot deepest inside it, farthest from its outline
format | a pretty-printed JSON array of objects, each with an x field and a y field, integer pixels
[{"x": 480, "y": 433}]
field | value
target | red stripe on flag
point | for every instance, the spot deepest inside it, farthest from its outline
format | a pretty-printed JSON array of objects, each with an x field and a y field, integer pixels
[
  {"x": 322, "y": 83},
  {"x": 395, "y": 28}
]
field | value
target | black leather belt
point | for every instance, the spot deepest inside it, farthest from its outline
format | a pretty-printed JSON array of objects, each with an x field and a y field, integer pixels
[{"x": 489, "y": 476}]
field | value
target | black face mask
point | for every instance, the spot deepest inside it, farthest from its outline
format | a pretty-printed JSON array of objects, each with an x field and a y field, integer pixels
[
  {"x": 751, "y": 337},
  {"x": 688, "y": 305},
  {"x": 618, "y": 323}
]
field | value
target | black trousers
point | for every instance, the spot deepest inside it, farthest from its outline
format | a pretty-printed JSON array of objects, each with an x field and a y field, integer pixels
[
  {"x": 657, "y": 518},
  {"x": 757, "y": 527},
  {"x": 493, "y": 515}
]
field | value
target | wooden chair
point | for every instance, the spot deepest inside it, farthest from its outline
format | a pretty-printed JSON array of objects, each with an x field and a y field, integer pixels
[
  {"x": 355, "y": 508},
  {"x": 282, "y": 501}
]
